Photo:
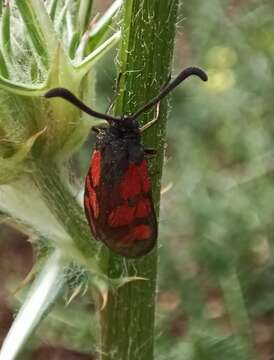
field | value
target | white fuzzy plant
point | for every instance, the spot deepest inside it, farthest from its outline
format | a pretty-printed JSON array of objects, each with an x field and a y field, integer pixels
[{"x": 46, "y": 44}]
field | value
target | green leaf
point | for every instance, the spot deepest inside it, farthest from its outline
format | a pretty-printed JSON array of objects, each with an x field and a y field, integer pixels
[
  {"x": 13, "y": 166},
  {"x": 3, "y": 67},
  {"x": 44, "y": 292},
  {"x": 100, "y": 30},
  {"x": 39, "y": 28},
  {"x": 5, "y": 33},
  {"x": 61, "y": 20},
  {"x": 84, "y": 15},
  {"x": 52, "y": 8},
  {"x": 22, "y": 89},
  {"x": 33, "y": 29},
  {"x": 30, "y": 209},
  {"x": 74, "y": 43},
  {"x": 45, "y": 24},
  {"x": 92, "y": 58},
  {"x": 93, "y": 37}
]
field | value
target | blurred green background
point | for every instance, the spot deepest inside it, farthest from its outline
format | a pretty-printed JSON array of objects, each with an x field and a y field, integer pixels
[{"x": 216, "y": 268}]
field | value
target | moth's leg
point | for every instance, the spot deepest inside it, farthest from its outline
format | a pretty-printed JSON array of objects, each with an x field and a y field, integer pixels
[
  {"x": 99, "y": 128},
  {"x": 150, "y": 153},
  {"x": 156, "y": 118},
  {"x": 115, "y": 92},
  {"x": 167, "y": 82},
  {"x": 118, "y": 80},
  {"x": 153, "y": 121}
]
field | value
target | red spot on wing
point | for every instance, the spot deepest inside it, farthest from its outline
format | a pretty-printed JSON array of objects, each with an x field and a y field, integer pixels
[
  {"x": 135, "y": 181},
  {"x": 92, "y": 197},
  {"x": 88, "y": 184},
  {"x": 122, "y": 215},
  {"x": 130, "y": 185},
  {"x": 89, "y": 214},
  {"x": 96, "y": 167},
  {"x": 143, "y": 208},
  {"x": 139, "y": 232},
  {"x": 94, "y": 203},
  {"x": 143, "y": 170}
]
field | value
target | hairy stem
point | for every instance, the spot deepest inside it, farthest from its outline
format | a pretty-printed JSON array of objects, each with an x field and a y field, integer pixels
[
  {"x": 144, "y": 63},
  {"x": 65, "y": 207}
]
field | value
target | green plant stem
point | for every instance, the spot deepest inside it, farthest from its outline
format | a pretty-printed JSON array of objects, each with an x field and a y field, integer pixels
[
  {"x": 64, "y": 206},
  {"x": 144, "y": 61}
]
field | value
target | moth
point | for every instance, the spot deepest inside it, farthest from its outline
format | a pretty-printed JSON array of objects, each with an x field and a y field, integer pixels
[{"x": 117, "y": 199}]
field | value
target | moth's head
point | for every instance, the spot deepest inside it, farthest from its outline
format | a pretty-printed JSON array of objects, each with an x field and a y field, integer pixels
[{"x": 127, "y": 125}]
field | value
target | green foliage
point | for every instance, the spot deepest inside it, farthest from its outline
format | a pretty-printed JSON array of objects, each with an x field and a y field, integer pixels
[
  {"x": 36, "y": 139},
  {"x": 215, "y": 279},
  {"x": 217, "y": 219}
]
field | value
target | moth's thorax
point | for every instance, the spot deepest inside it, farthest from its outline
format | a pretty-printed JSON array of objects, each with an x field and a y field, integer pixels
[
  {"x": 127, "y": 128},
  {"x": 120, "y": 143}
]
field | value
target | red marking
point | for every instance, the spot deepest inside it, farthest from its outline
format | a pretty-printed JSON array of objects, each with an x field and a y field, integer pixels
[
  {"x": 122, "y": 215},
  {"x": 143, "y": 208},
  {"x": 135, "y": 180},
  {"x": 87, "y": 207},
  {"x": 88, "y": 184},
  {"x": 141, "y": 232},
  {"x": 96, "y": 167},
  {"x": 94, "y": 203},
  {"x": 143, "y": 170},
  {"x": 130, "y": 185},
  {"x": 92, "y": 198}
]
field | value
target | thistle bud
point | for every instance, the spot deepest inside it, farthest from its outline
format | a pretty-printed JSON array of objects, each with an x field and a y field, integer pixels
[{"x": 41, "y": 49}]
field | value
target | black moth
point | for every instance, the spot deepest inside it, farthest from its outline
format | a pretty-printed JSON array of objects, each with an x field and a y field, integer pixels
[{"x": 118, "y": 202}]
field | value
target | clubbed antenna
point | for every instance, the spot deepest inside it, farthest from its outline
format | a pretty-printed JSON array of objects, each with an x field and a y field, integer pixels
[
  {"x": 170, "y": 86},
  {"x": 67, "y": 95}
]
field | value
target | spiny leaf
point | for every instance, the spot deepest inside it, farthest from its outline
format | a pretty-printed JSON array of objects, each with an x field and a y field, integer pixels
[
  {"x": 42, "y": 295},
  {"x": 5, "y": 33},
  {"x": 100, "y": 30},
  {"x": 92, "y": 58},
  {"x": 12, "y": 167}
]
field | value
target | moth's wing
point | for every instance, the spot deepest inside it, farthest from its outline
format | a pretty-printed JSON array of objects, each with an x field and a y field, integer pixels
[
  {"x": 92, "y": 184},
  {"x": 118, "y": 204},
  {"x": 103, "y": 177},
  {"x": 130, "y": 225}
]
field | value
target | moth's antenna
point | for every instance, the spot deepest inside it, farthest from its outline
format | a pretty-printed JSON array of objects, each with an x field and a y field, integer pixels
[
  {"x": 170, "y": 86},
  {"x": 67, "y": 95}
]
